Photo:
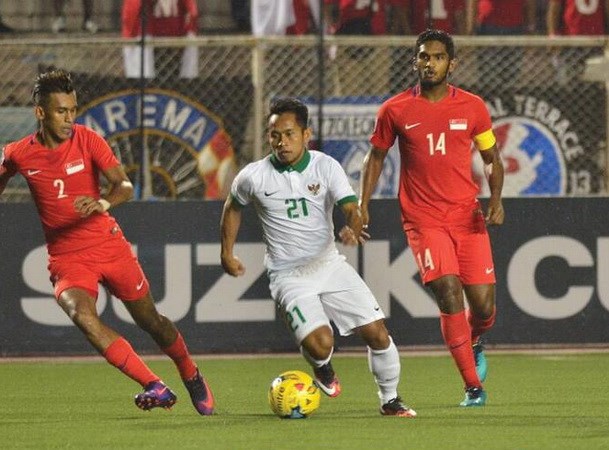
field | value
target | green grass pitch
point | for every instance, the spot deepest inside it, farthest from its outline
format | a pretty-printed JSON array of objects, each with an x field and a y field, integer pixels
[{"x": 541, "y": 401}]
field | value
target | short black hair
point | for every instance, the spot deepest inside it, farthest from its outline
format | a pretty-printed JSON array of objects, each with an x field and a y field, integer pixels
[
  {"x": 436, "y": 35},
  {"x": 51, "y": 81},
  {"x": 293, "y": 105}
]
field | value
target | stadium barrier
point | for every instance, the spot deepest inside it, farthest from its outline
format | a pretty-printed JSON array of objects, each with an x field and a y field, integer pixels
[
  {"x": 182, "y": 134},
  {"x": 551, "y": 257}
]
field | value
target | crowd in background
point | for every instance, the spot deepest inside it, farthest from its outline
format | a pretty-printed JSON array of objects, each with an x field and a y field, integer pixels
[
  {"x": 369, "y": 17},
  {"x": 410, "y": 17}
]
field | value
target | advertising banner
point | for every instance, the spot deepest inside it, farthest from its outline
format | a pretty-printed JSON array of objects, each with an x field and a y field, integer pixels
[
  {"x": 545, "y": 147},
  {"x": 550, "y": 258}
]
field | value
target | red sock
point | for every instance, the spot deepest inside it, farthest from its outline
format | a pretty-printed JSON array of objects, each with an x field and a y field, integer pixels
[
  {"x": 180, "y": 356},
  {"x": 457, "y": 335},
  {"x": 479, "y": 326},
  {"x": 122, "y": 356}
]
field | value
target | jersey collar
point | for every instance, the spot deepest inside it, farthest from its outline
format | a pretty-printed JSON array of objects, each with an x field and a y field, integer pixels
[{"x": 300, "y": 166}]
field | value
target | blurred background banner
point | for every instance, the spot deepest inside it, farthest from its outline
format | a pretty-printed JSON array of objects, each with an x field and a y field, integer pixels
[
  {"x": 550, "y": 122},
  {"x": 551, "y": 286},
  {"x": 199, "y": 115},
  {"x": 347, "y": 125}
]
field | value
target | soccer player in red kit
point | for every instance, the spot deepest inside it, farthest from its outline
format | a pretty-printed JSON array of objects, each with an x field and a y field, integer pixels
[
  {"x": 435, "y": 124},
  {"x": 61, "y": 163}
]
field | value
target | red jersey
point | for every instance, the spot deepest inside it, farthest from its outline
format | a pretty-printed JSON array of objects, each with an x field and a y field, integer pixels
[
  {"x": 435, "y": 142},
  {"x": 583, "y": 17},
  {"x": 164, "y": 17},
  {"x": 56, "y": 177},
  {"x": 442, "y": 14},
  {"x": 502, "y": 13},
  {"x": 302, "y": 14},
  {"x": 361, "y": 9}
]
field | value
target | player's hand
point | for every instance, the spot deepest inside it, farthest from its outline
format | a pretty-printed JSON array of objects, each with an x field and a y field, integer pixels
[
  {"x": 347, "y": 236},
  {"x": 495, "y": 213},
  {"x": 232, "y": 265},
  {"x": 364, "y": 236},
  {"x": 85, "y": 206}
]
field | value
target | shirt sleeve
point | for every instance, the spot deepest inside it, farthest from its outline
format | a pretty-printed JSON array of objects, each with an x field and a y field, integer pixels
[
  {"x": 483, "y": 121},
  {"x": 338, "y": 183},
  {"x": 384, "y": 134},
  {"x": 101, "y": 152},
  {"x": 241, "y": 188}
]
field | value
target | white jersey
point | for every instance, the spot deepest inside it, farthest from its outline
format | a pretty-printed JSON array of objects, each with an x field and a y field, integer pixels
[{"x": 295, "y": 205}]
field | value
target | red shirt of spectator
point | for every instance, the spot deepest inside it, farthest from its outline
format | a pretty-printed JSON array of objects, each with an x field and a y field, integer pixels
[
  {"x": 583, "y": 17},
  {"x": 502, "y": 13},
  {"x": 360, "y": 9},
  {"x": 302, "y": 14},
  {"x": 163, "y": 17},
  {"x": 442, "y": 14}
]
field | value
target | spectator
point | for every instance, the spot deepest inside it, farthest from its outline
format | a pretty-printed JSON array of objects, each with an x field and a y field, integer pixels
[
  {"x": 410, "y": 17},
  {"x": 500, "y": 17},
  {"x": 577, "y": 18},
  {"x": 168, "y": 18},
  {"x": 355, "y": 17},
  {"x": 59, "y": 24},
  {"x": 306, "y": 13},
  {"x": 280, "y": 17}
]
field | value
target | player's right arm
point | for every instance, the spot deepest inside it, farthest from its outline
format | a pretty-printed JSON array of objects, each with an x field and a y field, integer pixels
[
  {"x": 371, "y": 171},
  {"x": 229, "y": 228}
]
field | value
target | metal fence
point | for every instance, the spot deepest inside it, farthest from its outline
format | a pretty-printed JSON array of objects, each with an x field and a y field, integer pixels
[{"x": 183, "y": 132}]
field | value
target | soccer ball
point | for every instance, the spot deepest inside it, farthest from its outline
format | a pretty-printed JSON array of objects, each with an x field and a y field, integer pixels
[{"x": 293, "y": 395}]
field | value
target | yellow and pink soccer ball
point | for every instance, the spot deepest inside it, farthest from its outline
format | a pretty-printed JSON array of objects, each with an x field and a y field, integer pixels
[{"x": 293, "y": 395}]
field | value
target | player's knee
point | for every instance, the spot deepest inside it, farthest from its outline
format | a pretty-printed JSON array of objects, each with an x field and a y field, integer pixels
[
  {"x": 319, "y": 344},
  {"x": 376, "y": 335}
]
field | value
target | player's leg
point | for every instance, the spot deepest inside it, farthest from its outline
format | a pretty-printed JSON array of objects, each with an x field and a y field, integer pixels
[
  {"x": 297, "y": 299},
  {"x": 384, "y": 363},
  {"x": 481, "y": 317},
  {"x": 456, "y": 332},
  {"x": 435, "y": 253},
  {"x": 317, "y": 348},
  {"x": 171, "y": 342},
  {"x": 79, "y": 305},
  {"x": 478, "y": 277},
  {"x": 125, "y": 278}
]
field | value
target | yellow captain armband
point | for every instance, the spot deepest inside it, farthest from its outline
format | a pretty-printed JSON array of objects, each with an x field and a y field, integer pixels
[{"x": 485, "y": 140}]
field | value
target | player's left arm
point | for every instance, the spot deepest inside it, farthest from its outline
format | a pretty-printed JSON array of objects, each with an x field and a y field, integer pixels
[
  {"x": 120, "y": 191},
  {"x": 487, "y": 145},
  {"x": 353, "y": 232}
]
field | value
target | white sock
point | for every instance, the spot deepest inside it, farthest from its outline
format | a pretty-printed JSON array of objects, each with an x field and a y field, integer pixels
[
  {"x": 315, "y": 362},
  {"x": 385, "y": 366}
]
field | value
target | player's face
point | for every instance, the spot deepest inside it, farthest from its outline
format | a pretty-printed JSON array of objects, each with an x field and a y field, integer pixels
[
  {"x": 57, "y": 117},
  {"x": 433, "y": 64},
  {"x": 288, "y": 140}
]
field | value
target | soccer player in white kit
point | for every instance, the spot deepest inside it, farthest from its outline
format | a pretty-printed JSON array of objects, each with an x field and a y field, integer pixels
[{"x": 294, "y": 191}]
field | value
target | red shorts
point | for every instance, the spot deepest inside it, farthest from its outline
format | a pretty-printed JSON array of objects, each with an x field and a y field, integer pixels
[
  {"x": 461, "y": 250},
  {"x": 112, "y": 263}
]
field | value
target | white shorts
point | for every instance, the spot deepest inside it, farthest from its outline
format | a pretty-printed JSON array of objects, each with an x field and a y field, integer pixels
[{"x": 327, "y": 290}]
